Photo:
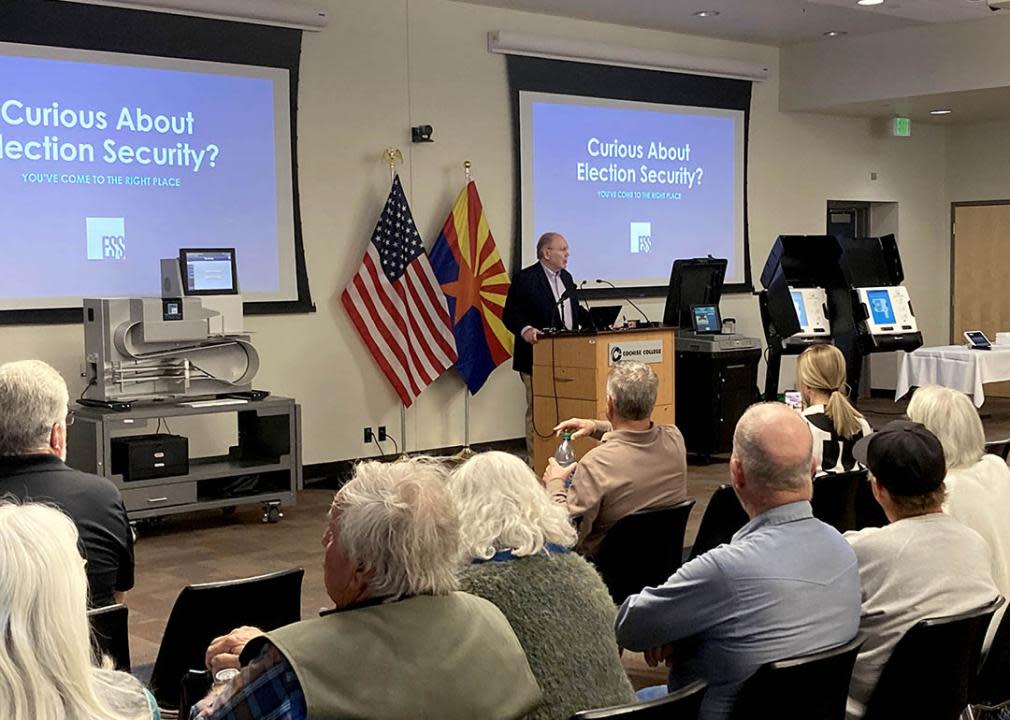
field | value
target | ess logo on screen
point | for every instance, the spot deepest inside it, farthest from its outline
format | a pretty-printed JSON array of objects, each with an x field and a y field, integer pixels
[
  {"x": 106, "y": 238},
  {"x": 641, "y": 237}
]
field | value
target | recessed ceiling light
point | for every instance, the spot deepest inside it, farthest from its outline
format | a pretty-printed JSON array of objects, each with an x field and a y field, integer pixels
[
  {"x": 835, "y": 33},
  {"x": 870, "y": 2},
  {"x": 940, "y": 112},
  {"x": 706, "y": 13}
]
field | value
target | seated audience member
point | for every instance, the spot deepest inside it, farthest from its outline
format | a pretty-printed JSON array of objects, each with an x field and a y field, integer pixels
[
  {"x": 923, "y": 564},
  {"x": 516, "y": 542},
  {"x": 834, "y": 424},
  {"x": 638, "y": 465},
  {"x": 978, "y": 484},
  {"x": 401, "y": 641},
  {"x": 34, "y": 415},
  {"x": 787, "y": 584},
  {"x": 46, "y": 667}
]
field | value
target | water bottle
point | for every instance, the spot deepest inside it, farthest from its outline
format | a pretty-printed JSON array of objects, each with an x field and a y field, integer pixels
[{"x": 566, "y": 453}]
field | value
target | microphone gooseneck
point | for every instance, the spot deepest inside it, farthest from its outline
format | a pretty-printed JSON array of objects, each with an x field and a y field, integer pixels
[{"x": 626, "y": 299}]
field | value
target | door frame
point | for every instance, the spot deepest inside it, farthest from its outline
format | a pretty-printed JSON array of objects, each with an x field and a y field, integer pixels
[{"x": 953, "y": 239}]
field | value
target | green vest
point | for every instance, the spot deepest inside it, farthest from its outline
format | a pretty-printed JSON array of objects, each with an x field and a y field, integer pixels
[{"x": 445, "y": 657}]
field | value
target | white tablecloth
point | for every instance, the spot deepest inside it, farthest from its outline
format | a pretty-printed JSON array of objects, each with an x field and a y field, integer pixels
[{"x": 956, "y": 367}]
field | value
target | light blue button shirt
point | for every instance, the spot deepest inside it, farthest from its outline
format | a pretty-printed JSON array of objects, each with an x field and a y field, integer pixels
[{"x": 786, "y": 585}]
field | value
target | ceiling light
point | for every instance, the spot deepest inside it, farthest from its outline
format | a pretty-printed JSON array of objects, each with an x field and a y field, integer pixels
[
  {"x": 835, "y": 33},
  {"x": 706, "y": 13},
  {"x": 940, "y": 112},
  {"x": 870, "y": 2}
]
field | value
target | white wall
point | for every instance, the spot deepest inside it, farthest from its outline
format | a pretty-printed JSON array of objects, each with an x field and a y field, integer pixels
[
  {"x": 384, "y": 65},
  {"x": 978, "y": 162},
  {"x": 921, "y": 60}
]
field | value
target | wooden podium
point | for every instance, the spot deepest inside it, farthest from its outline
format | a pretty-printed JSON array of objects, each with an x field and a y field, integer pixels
[{"x": 570, "y": 380}]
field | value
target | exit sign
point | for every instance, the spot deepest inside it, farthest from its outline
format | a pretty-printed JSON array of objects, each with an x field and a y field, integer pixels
[{"x": 901, "y": 127}]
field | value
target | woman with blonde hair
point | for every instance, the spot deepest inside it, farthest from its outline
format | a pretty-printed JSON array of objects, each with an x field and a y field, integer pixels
[
  {"x": 978, "y": 485},
  {"x": 46, "y": 667},
  {"x": 515, "y": 545},
  {"x": 834, "y": 424}
]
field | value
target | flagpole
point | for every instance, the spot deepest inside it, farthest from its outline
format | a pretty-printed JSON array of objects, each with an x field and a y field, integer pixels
[
  {"x": 466, "y": 451},
  {"x": 393, "y": 156}
]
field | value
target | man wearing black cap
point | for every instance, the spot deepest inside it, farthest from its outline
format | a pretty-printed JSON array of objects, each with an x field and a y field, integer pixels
[{"x": 923, "y": 564}]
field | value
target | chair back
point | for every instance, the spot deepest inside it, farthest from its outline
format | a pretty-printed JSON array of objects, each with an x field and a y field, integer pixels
[
  {"x": 799, "y": 688},
  {"x": 835, "y": 498},
  {"x": 110, "y": 633},
  {"x": 868, "y": 510},
  {"x": 683, "y": 704},
  {"x": 992, "y": 686},
  {"x": 208, "y": 610},
  {"x": 999, "y": 447},
  {"x": 931, "y": 668},
  {"x": 644, "y": 548},
  {"x": 723, "y": 517}
]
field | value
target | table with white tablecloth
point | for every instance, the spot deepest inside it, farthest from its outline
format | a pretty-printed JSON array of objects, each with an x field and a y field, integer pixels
[{"x": 956, "y": 367}]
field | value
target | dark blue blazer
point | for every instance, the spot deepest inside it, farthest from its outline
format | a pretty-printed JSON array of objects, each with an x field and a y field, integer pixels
[{"x": 530, "y": 302}]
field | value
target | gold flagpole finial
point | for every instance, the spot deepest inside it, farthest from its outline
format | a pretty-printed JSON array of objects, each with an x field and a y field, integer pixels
[
  {"x": 466, "y": 169},
  {"x": 392, "y": 156}
]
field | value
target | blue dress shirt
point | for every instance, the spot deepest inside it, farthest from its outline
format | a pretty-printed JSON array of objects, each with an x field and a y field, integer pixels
[{"x": 786, "y": 585}]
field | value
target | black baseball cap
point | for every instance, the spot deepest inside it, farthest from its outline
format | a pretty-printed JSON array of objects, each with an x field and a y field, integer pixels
[{"x": 904, "y": 457}]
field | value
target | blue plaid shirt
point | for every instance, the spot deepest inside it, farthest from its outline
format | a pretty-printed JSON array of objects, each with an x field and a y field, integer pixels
[{"x": 265, "y": 689}]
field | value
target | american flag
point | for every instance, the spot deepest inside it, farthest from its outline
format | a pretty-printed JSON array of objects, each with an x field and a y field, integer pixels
[{"x": 397, "y": 306}]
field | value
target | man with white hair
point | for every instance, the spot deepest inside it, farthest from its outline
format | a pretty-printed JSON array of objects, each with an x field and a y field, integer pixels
[
  {"x": 639, "y": 465},
  {"x": 34, "y": 415},
  {"x": 401, "y": 641},
  {"x": 541, "y": 297},
  {"x": 786, "y": 585}
]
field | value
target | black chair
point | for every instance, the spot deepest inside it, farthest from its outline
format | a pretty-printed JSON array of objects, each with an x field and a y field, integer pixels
[
  {"x": 683, "y": 704},
  {"x": 992, "y": 685},
  {"x": 194, "y": 687},
  {"x": 723, "y": 517},
  {"x": 806, "y": 687},
  {"x": 868, "y": 510},
  {"x": 836, "y": 496},
  {"x": 203, "y": 612},
  {"x": 998, "y": 447},
  {"x": 110, "y": 633},
  {"x": 644, "y": 548},
  {"x": 931, "y": 668}
]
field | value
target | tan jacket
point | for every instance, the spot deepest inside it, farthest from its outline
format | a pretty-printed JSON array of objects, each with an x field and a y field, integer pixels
[{"x": 631, "y": 470}]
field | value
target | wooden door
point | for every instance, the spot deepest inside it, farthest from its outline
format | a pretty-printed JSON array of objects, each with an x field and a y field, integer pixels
[{"x": 980, "y": 273}]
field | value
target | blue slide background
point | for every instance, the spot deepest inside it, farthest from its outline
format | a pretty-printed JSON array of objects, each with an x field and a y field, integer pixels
[
  {"x": 596, "y": 217},
  {"x": 233, "y": 204}
]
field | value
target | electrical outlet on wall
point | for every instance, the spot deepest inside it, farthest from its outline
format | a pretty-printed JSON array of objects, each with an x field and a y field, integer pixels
[
  {"x": 368, "y": 434},
  {"x": 382, "y": 433}
]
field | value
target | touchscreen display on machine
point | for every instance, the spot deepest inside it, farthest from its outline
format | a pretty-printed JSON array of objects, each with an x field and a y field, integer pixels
[
  {"x": 880, "y": 307},
  {"x": 801, "y": 307},
  {"x": 705, "y": 319},
  {"x": 977, "y": 340}
]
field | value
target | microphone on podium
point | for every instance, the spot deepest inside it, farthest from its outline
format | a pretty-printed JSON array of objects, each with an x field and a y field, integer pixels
[
  {"x": 628, "y": 300},
  {"x": 560, "y": 307}
]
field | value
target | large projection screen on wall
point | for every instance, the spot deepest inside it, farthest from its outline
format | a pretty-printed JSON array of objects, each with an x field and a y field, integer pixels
[
  {"x": 633, "y": 185},
  {"x": 111, "y": 161}
]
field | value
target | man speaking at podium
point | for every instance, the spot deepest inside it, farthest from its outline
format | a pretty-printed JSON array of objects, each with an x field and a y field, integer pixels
[{"x": 542, "y": 296}]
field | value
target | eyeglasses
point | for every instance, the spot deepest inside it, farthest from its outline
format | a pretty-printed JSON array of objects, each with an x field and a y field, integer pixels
[{"x": 70, "y": 418}]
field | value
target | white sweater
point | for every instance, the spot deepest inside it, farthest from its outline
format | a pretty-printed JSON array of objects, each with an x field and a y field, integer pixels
[
  {"x": 979, "y": 496},
  {"x": 916, "y": 568}
]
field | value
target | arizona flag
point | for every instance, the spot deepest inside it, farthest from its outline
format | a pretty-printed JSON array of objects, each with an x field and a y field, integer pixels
[{"x": 473, "y": 278}]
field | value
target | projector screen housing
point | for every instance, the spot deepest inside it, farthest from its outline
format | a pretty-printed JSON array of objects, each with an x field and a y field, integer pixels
[
  {"x": 618, "y": 232},
  {"x": 119, "y": 47}
]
